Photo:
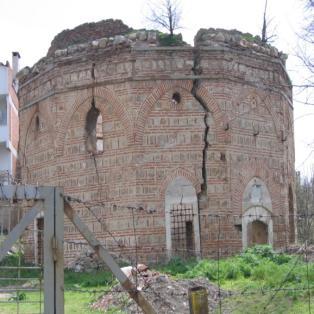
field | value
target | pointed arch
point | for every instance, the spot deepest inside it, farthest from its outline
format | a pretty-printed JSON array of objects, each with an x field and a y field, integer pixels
[
  {"x": 36, "y": 110},
  {"x": 147, "y": 106},
  {"x": 246, "y": 171},
  {"x": 261, "y": 98},
  {"x": 179, "y": 172},
  {"x": 257, "y": 222},
  {"x": 181, "y": 218},
  {"x": 105, "y": 98},
  {"x": 36, "y": 114}
]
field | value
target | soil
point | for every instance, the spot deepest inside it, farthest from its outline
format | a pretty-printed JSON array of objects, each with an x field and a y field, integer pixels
[{"x": 164, "y": 293}]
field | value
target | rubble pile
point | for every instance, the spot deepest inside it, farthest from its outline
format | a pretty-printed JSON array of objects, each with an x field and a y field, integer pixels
[
  {"x": 165, "y": 294},
  {"x": 307, "y": 252},
  {"x": 88, "y": 261}
]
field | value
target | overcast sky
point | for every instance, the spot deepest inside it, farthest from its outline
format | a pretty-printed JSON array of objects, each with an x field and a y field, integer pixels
[{"x": 28, "y": 26}]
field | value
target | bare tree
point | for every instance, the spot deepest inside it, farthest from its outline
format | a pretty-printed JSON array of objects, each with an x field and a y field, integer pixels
[
  {"x": 166, "y": 14},
  {"x": 305, "y": 50},
  {"x": 267, "y": 35},
  {"x": 305, "y": 206}
]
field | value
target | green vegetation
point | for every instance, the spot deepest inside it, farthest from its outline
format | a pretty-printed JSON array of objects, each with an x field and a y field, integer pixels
[
  {"x": 170, "y": 40},
  {"x": 81, "y": 289},
  {"x": 253, "y": 278},
  {"x": 251, "y": 38}
]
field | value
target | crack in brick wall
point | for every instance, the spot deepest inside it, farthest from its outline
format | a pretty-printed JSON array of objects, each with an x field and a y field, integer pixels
[{"x": 197, "y": 70}]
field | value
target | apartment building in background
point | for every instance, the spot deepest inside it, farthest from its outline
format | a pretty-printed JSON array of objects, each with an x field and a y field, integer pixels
[{"x": 9, "y": 119}]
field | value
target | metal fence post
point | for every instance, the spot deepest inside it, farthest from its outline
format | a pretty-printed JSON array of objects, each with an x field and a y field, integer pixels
[{"x": 53, "y": 252}]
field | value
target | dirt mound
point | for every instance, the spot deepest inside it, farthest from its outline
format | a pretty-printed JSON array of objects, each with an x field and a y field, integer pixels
[{"x": 165, "y": 294}]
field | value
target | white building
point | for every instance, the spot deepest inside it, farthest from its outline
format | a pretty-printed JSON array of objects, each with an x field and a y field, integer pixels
[{"x": 9, "y": 120}]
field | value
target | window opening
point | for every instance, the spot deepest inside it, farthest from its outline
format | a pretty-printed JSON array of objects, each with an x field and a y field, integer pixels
[
  {"x": 37, "y": 123},
  {"x": 189, "y": 236},
  {"x": 176, "y": 98},
  {"x": 182, "y": 234},
  {"x": 3, "y": 112},
  {"x": 93, "y": 129}
]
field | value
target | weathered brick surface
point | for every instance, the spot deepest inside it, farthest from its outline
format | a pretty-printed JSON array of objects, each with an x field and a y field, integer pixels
[{"x": 149, "y": 140}]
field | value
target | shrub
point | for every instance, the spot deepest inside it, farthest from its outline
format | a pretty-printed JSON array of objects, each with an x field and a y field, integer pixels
[
  {"x": 245, "y": 270},
  {"x": 176, "y": 266},
  {"x": 256, "y": 254},
  {"x": 12, "y": 259},
  {"x": 265, "y": 251},
  {"x": 250, "y": 258},
  {"x": 168, "y": 40},
  {"x": 232, "y": 272}
]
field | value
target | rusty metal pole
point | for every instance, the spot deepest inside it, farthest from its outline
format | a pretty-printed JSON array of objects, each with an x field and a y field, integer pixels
[{"x": 198, "y": 300}]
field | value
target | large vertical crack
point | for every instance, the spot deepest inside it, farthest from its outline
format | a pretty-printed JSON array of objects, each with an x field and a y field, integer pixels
[{"x": 197, "y": 70}]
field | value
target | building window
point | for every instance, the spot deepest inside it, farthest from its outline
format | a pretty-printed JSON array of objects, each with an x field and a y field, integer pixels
[{"x": 3, "y": 114}]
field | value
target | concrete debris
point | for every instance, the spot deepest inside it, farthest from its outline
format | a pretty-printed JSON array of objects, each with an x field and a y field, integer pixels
[{"x": 165, "y": 294}]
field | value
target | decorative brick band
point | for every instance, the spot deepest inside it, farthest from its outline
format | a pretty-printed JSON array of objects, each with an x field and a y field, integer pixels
[{"x": 164, "y": 87}]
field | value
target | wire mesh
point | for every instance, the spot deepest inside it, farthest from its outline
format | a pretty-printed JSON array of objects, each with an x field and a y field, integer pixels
[
  {"x": 21, "y": 284},
  {"x": 21, "y": 278}
]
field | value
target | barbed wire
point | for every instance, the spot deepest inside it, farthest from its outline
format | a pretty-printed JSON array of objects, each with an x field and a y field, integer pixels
[{"x": 219, "y": 219}]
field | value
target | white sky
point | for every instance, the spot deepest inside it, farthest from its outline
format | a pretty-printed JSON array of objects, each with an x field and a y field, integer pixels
[{"x": 28, "y": 26}]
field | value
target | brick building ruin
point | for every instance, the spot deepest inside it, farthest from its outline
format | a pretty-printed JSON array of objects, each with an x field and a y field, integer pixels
[{"x": 198, "y": 139}]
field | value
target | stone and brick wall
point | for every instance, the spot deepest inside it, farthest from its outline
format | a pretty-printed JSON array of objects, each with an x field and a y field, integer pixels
[
  {"x": 231, "y": 124},
  {"x": 87, "y": 33}
]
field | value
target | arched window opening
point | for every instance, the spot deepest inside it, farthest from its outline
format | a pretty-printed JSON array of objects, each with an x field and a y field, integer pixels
[
  {"x": 93, "y": 129},
  {"x": 291, "y": 217}
]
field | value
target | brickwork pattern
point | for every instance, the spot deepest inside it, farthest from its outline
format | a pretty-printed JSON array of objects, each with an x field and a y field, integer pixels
[{"x": 149, "y": 139}]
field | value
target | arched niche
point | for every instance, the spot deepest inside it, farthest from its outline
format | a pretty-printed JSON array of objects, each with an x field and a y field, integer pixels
[
  {"x": 257, "y": 223},
  {"x": 182, "y": 219},
  {"x": 256, "y": 193},
  {"x": 38, "y": 150}
]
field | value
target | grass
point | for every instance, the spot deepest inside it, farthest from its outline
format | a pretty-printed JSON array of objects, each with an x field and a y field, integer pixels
[
  {"x": 81, "y": 289},
  {"x": 252, "y": 276}
]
